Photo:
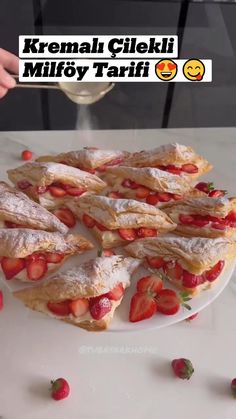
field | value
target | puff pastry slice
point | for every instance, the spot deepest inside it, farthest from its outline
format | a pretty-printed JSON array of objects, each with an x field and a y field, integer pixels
[
  {"x": 90, "y": 159},
  {"x": 150, "y": 185},
  {"x": 116, "y": 221},
  {"x": 190, "y": 263},
  {"x": 54, "y": 184},
  {"x": 85, "y": 296},
  {"x": 173, "y": 158},
  {"x": 30, "y": 255},
  {"x": 17, "y": 210},
  {"x": 205, "y": 217}
]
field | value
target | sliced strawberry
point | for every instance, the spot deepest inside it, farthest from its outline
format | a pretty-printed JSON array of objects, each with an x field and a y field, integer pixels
[
  {"x": 66, "y": 216},
  {"x": 102, "y": 168},
  {"x": 152, "y": 199},
  {"x": 75, "y": 191},
  {"x": 36, "y": 269},
  {"x": 155, "y": 262},
  {"x": 99, "y": 307},
  {"x": 164, "y": 196},
  {"x": 189, "y": 168},
  {"x": 177, "y": 197},
  {"x": 135, "y": 185},
  {"x": 42, "y": 189},
  {"x": 190, "y": 280},
  {"x": 56, "y": 191},
  {"x": 173, "y": 270},
  {"x": 115, "y": 162},
  {"x": 12, "y": 266},
  {"x": 9, "y": 224},
  {"x": 231, "y": 216},
  {"x": 114, "y": 195},
  {"x": 107, "y": 253},
  {"x": 199, "y": 221},
  {"x": 88, "y": 221},
  {"x": 1, "y": 300},
  {"x": 101, "y": 227},
  {"x": 171, "y": 168},
  {"x": 116, "y": 293},
  {"x": 142, "y": 307},
  {"x": 128, "y": 234},
  {"x": 186, "y": 219},
  {"x": 127, "y": 183},
  {"x": 216, "y": 193},
  {"x": 149, "y": 283},
  {"x": 212, "y": 219},
  {"x": 205, "y": 187},
  {"x": 214, "y": 272},
  {"x": 146, "y": 232},
  {"x": 167, "y": 302},
  {"x": 219, "y": 226},
  {"x": 79, "y": 307},
  {"x": 60, "y": 309},
  {"x": 34, "y": 257},
  {"x": 23, "y": 184},
  {"x": 54, "y": 257},
  {"x": 142, "y": 192}
]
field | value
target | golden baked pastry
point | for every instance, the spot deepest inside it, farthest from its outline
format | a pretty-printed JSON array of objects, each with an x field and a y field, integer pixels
[
  {"x": 190, "y": 263},
  {"x": 17, "y": 210},
  {"x": 174, "y": 158},
  {"x": 205, "y": 217},
  {"x": 86, "y": 295},
  {"x": 29, "y": 255},
  {"x": 116, "y": 221},
  {"x": 54, "y": 184}
]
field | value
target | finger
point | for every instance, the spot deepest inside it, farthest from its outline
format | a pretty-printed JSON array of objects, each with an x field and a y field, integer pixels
[
  {"x": 3, "y": 92},
  {"x": 5, "y": 79},
  {"x": 9, "y": 61}
]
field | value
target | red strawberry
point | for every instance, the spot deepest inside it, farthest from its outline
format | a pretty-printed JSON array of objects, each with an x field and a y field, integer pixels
[
  {"x": 171, "y": 168},
  {"x": 218, "y": 226},
  {"x": 34, "y": 257},
  {"x": 23, "y": 184},
  {"x": 186, "y": 219},
  {"x": 115, "y": 162},
  {"x": 155, "y": 262},
  {"x": 116, "y": 293},
  {"x": 190, "y": 318},
  {"x": 214, "y": 272},
  {"x": 190, "y": 168},
  {"x": 79, "y": 306},
  {"x": 61, "y": 308},
  {"x": 142, "y": 307},
  {"x": 128, "y": 234},
  {"x": 12, "y": 266},
  {"x": 135, "y": 185},
  {"x": 75, "y": 191},
  {"x": 142, "y": 192},
  {"x": 9, "y": 224},
  {"x": 101, "y": 227},
  {"x": 36, "y": 269},
  {"x": 56, "y": 191},
  {"x": 152, "y": 199},
  {"x": 168, "y": 302},
  {"x": 114, "y": 195},
  {"x": 205, "y": 187},
  {"x": 164, "y": 196},
  {"x": 173, "y": 270},
  {"x": 99, "y": 307},
  {"x": 233, "y": 387},
  {"x": 60, "y": 389},
  {"x": 216, "y": 193},
  {"x": 26, "y": 155},
  {"x": 182, "y": 368},
  {"x": 1, "y": 300},
  {"x": 54, "y": 257},
  {"x": 149, "y": 283},
  {"x": 177, "y": 197},
  {"x": 200, "y": 221},
  {"x": 146, "y": 232},
  {"x": 88, "y": 221},
  {"x": 231, "y": 216},
  {"x": 190, "y": 280},
  {"x": 66, "y": 216}
]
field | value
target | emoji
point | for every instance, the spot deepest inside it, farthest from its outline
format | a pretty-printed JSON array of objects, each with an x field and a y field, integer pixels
[
  {"x": 166, "y": 70},
  {"x": 194, "y": 70}
]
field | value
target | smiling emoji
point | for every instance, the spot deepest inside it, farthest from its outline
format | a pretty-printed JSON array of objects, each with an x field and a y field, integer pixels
[
  {"x": 166, "y": 70},
  {"x": 194, "y": 70}
]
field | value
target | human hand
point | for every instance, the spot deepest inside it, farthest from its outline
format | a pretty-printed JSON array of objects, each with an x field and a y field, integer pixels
[{"x": 9, "y": 62}]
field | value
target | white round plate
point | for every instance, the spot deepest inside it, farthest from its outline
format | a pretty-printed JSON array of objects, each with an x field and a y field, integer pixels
[{"x": 10, "y": 158}]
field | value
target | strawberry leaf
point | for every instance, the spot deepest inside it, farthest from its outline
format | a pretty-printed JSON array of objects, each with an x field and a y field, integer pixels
[{"x": 186, "y": 306}]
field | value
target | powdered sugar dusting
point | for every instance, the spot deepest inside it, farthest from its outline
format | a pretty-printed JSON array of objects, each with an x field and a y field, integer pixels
[{"x": 91, "y": 158}]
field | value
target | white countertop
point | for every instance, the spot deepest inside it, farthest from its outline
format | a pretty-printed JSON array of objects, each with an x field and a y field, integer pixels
[{"x": 121, "y": 374}]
